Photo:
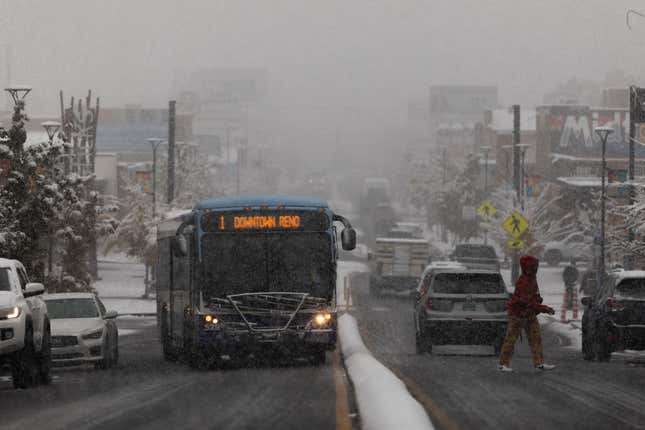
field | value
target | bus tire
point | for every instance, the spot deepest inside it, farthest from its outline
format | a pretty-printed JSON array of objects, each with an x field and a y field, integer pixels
[
  {"x": 168, "y": 351},
  {"x": 319, "y": 357}
]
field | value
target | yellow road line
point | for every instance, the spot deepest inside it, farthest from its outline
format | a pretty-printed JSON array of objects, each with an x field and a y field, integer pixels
[
  {"x": 439, "y": 418},
  {"x": 343, "y": 422}
]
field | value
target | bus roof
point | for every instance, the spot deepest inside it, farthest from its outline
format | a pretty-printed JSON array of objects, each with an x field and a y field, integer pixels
[{"x": 257, "y": 201}]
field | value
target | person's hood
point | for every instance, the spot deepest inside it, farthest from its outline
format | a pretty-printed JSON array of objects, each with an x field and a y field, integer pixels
[
  {"x": 75, "y": 326},
  {"x": 7, "y": 299},
  {"x": 529, "y": 265}
]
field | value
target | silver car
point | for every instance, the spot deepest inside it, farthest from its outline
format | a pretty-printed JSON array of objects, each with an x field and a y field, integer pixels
[
  {"x": 458, "y": 306},
  {"x": 82, "y": 330}
]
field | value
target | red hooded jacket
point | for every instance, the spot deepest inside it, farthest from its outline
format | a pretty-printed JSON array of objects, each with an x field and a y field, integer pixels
[{"x": 526, "y": 299}]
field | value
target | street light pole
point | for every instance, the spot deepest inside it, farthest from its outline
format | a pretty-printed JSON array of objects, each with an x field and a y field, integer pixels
[
  {"x": 154, "y": 143},
  {"x": 603, "y": 133},
  {"x": 485, "y": 150}
]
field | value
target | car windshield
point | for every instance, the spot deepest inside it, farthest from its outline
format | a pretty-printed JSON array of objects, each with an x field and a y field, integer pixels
[
  {"x": 71, "y": 308},
  {"x": 255, "y": 262},
  {"x": 5, "y": 284},
  {"x": 632, "y": 288},
  {"x": 468, "y": 283},
  {"x": 475, "y": 251}
]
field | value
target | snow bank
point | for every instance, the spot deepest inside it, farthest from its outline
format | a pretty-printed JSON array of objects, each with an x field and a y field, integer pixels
[
  {"x": 571, "y": 330},
  {"x": 383, "y": 400}
]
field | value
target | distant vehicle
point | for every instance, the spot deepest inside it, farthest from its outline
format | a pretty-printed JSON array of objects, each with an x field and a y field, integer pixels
[
  {"x": 249, "y": 275},
  {"x": 375, "y": 210},
  {"x": 476, "y": 256},
  {"x": 397, "y": 265},
  {"x": 24, "y": 326},
  {"x": 460, "y": 306},
  {"x": 407, "y": 229},
  {"x": 576, "y": 246},
  {"x": 614, "y": 318},
  {"x": 82, "y": 330}
]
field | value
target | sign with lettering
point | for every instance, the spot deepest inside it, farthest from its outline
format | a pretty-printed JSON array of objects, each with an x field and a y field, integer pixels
[{"x": 264, "y": 220}]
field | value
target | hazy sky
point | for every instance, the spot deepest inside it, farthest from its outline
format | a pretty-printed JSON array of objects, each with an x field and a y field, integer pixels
[{"x": 325, "y": 58}]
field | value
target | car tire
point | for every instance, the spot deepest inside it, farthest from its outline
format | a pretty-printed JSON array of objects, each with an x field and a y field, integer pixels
[
  {"x": 115, "y": 354},
  {"x": 423, "y": 343},
  {"x": 24, "y": 371},
  {"x": 587, "y": 344},
  {"x": 44, "y": 358},
  {"x": 497, "y": 346},
  {"x": 106, "y": 362},
  {"x": 553, "y": 257},
  {"x": 601, "y": 349}
]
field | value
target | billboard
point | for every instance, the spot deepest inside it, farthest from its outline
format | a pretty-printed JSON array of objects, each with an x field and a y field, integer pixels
[{"x": 569, "y": 130}]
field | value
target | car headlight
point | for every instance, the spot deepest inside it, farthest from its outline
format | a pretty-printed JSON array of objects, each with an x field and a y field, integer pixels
[
  {"x": 9, "y": 313},
  {"x": 93, "y": 334},
  {"x": 322, "y": 319}
]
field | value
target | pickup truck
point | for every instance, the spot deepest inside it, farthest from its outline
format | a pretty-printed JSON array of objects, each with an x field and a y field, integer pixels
[
  {"x": 25, "y": 335},
  {"x": 397, "y": 264}
]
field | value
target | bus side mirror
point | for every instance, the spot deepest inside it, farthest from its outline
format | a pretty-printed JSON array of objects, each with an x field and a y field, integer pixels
[
  {"x": 348, "y": 239},
  {"x": 586, "y": 301},
  {"x": 180, "y": 245}
]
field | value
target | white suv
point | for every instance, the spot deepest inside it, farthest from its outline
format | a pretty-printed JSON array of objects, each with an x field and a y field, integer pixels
[{"x": 25, "y": 340}]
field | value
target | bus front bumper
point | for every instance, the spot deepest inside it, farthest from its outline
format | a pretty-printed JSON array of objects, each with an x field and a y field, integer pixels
[{"x": 236, "y": 341}]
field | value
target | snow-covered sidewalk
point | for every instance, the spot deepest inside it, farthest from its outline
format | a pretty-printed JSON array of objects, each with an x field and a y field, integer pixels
[
  {"x": 121, "y": 285},
  {"x": 383, "y": 399}
]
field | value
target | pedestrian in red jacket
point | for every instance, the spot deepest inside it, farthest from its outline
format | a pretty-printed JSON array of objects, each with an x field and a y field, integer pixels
[{"x": 523, "y": 308}]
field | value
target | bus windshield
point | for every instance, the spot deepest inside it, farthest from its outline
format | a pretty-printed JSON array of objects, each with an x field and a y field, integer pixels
[{"x": 267, "y": 262}]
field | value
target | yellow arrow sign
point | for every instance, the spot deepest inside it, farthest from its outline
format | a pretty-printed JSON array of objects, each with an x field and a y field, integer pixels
[
  {"x": 515, "y": 224},
  {"x": 486, "y": 210},
  {"x": 515, "y": 244}
]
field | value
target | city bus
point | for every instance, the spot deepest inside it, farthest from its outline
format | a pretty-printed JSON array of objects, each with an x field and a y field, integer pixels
[{"x": 242, "y": 276}]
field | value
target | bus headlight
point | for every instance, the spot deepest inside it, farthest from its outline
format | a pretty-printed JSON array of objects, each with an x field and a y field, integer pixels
[
  {"x": 322, "y": 319},
  {"x": 211, "y": 319}
]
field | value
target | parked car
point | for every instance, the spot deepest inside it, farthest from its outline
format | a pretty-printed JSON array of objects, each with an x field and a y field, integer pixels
[
  {"x": 82, "y": 330},
  {"x": 614, "y": 318},
  {"x": 476, "y": 256},
  {"x": 576, "y": 246},
  {"x": 460, "y": 306},
  {"x": 24, "y": 326}
]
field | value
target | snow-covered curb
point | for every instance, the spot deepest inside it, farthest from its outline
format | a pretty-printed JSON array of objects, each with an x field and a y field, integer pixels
[{"x": 383, "y": 400}]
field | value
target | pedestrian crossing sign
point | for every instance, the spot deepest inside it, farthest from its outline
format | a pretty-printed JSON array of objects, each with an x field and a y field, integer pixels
[
  {"x": 486, "y": 210},
  {"x": 515, "y": 244},
  {"x": 515, "y": 224}
]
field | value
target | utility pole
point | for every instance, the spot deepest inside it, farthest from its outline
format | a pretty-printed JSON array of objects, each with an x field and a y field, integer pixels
[
  {"x": 516, "y": 181},
  {"x": 171, "y": 151},
  {"x": 633, "y": 106}
]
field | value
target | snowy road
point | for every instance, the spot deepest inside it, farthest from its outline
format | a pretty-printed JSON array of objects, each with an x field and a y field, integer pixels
[
  {"x": 146, "y": 392},
  {"x": 461, "y": 389}
]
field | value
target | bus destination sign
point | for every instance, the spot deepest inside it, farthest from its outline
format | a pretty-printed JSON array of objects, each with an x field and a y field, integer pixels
[{"x": 279, "y": 220}]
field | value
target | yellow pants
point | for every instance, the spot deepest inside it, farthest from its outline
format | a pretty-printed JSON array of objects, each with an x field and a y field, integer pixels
[{"x": 531, "y": 326}]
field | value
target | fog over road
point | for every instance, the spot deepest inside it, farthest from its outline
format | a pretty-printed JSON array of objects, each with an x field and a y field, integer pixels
[{"x": 461, "y": 388}]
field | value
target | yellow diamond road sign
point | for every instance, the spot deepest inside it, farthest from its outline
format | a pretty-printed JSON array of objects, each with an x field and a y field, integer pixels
[
  {"x": 486, "y": 210},
  {"x": 515, "y": 224},
  {"x": 515, "y": 244}
]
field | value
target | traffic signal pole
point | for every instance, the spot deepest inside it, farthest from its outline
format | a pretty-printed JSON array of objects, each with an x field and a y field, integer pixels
[{"x": 516, "y": 183}]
